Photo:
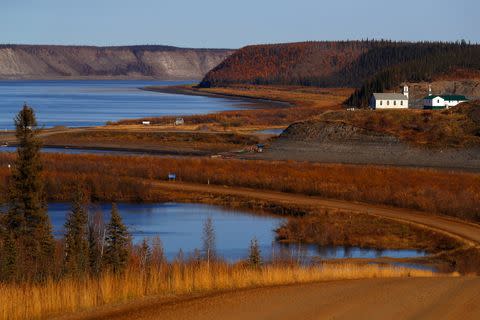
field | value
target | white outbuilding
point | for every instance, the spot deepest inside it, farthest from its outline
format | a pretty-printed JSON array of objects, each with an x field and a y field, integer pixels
[
  {"x": 390, "y": 100},
  {"x": 442, "y": 101}
]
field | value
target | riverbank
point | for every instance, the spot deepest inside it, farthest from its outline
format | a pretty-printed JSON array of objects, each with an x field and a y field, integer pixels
[
  {"x": 285, "y": 105},
  {"x": 142, "y": 140},
  {"x": 255, "y": 101}
]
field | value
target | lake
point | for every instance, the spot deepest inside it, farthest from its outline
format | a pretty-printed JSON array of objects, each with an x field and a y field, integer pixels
[
  {"x": 81, "y": 103},
  {"x": 180, "y": 225}
]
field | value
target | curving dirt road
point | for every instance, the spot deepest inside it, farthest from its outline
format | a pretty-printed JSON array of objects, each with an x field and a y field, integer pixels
[
  {"x": 401, "y": 298},
  {"x": 426, "y": 298},
  {"x": 462, "y": 230}
]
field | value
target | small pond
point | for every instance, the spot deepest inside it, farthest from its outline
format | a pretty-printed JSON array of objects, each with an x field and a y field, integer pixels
[{"x": 180, "y": 226}]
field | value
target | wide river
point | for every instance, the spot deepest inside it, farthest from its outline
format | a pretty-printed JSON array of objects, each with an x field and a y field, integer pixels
[
  {"x": 180, "y": 226},
  {"x": 94, "y": 102}
]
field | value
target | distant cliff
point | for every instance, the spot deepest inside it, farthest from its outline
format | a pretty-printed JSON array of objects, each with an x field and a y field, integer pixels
[{"x": 128, "y": 62}]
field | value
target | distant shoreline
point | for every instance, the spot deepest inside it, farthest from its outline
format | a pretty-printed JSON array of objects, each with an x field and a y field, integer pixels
[
  {"x": 93, "y": 78},
  {"x": 184, "y": 90}
]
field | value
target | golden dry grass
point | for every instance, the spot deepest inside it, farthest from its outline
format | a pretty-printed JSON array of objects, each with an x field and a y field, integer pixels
[{"x": 36, "y": 301}]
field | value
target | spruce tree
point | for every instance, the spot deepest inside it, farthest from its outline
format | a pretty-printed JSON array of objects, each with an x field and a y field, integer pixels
[
  {"x": 117, "y": 241},
  {"x": 254, "y": 257},
  {"x": 8, "y": 259},
  {"x": 27, "y": 219},
  {"x": 76, "y": 259}
]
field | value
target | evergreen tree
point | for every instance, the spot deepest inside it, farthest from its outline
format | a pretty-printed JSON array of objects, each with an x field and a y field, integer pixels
[
  {"x": 117, "y": 240},
  {"x": 8, "y": 259},
  {"x": 76, "y": 259},
  {"x": 254, "y": 257},
  {"x": 27, "y": 219},
  {"x": 209, "y": 240}
]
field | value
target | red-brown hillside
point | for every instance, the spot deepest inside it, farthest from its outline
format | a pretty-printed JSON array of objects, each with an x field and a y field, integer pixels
[{"x": 298, "y": 63}]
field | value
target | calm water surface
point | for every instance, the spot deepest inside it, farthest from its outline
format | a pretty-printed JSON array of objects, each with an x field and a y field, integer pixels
[
  {"x": 94, "y": 102},
  {"x": 179, "y": 226},
  {"x": 86, "y": 151}
]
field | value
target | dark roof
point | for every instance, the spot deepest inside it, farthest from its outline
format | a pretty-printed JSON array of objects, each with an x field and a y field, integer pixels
[{"x": 448, "y": 97}]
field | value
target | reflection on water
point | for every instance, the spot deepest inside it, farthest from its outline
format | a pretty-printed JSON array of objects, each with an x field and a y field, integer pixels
[
  {"x": 94, "y": 102},
  {"x": 306, "y": 252},
  {"x": 180, "y": 227},
  {"x": 79, "y": 151}
]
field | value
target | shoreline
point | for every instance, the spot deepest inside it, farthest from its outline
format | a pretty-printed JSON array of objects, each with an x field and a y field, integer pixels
[{"x": 184, "y": 90}]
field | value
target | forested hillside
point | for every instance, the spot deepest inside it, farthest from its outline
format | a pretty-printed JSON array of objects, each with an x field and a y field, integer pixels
[
  {"x": 304, "y": 63},
  {"x": 370, "y": 66},
  {"x": 415, "y": 63}
]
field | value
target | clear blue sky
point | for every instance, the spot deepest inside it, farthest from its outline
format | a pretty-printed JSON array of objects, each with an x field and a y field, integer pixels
[{"x": 232, "y": 24}]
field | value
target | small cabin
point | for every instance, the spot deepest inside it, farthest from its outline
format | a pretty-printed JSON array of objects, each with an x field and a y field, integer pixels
[{"x": 146, "y": 123}]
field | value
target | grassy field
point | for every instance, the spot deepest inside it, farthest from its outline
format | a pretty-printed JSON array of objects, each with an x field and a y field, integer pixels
[{"x": 179, "y": 278}]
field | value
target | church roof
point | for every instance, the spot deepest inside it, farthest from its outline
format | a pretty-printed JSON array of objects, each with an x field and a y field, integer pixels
[{"x": 389, "y": 96}]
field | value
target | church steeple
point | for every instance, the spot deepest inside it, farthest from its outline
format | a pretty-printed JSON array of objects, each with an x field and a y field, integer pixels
[{"x": 405, "y": 91}]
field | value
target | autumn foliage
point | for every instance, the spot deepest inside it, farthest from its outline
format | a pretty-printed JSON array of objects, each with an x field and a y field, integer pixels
[
  {"x": 128, "y": 178},
  {"x": 301, "y": 63}
]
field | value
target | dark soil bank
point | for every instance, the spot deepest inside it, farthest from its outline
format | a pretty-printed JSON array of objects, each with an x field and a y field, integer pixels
[{"x": 342, "y": 143}]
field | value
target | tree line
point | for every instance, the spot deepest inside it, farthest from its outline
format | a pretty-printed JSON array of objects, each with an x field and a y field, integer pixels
[
  {"x": 27, "y": 245},
  {"x": 411, "y": 63},
  {"x": 370, "y": 65},
  {"x": 90, "y": 246}
]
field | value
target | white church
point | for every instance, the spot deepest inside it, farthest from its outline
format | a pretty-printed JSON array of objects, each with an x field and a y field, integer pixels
[{"x": 390, "y": 100}]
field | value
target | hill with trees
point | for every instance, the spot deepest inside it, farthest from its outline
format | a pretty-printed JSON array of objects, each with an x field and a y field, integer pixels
[{"x": 370, "y": 66}]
